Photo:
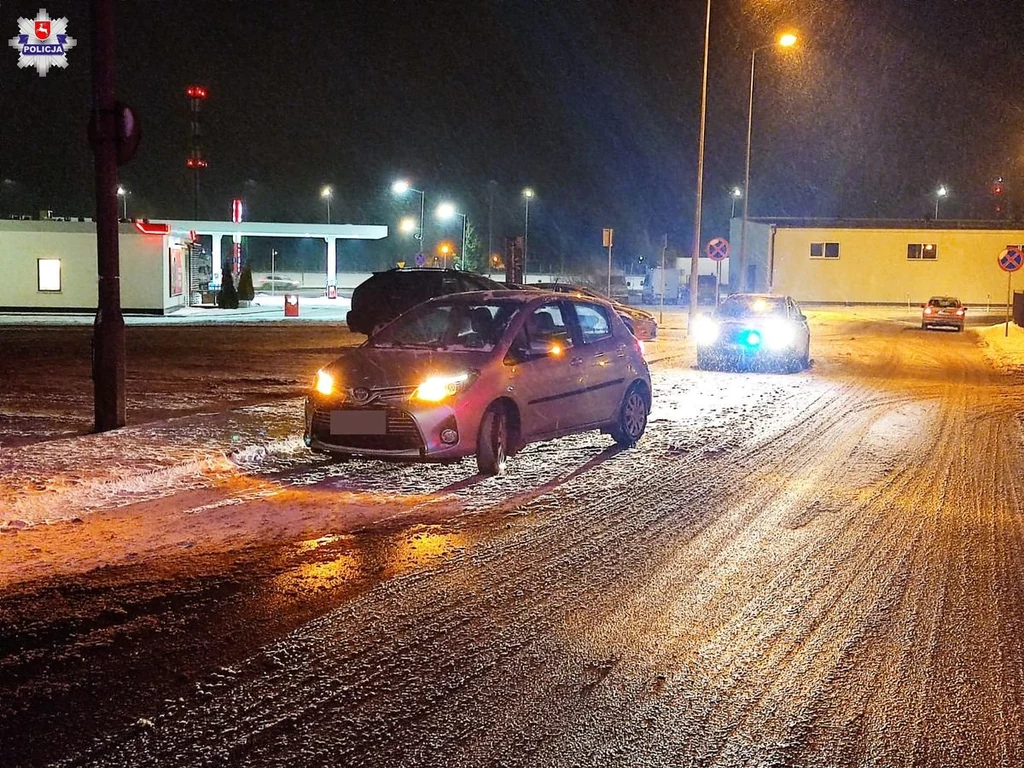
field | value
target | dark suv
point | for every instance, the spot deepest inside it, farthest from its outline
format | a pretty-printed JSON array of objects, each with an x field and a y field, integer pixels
[{"x": 386, "y": 295}]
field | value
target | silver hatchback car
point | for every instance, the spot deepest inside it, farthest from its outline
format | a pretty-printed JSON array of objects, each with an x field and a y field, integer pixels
[{"x": 482, "y": 373}]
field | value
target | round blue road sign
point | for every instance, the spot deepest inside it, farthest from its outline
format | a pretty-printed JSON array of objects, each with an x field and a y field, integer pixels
[
  {"x": 1011, "y": 260},
  {"x": 718, "y": 249}
]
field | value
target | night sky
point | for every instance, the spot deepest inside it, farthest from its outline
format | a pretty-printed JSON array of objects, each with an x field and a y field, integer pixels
[{"x": 593, "y": 104}]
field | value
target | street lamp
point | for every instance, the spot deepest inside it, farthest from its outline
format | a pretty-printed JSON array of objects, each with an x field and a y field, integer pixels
[
  {"x": 737, "y": 193},
  {"x": 940, "y": 193},
  {"x": 694, "y": 259},
  {"x": 787, "y": 40},
  {"x": 444, "y": 212},
  {"x": 123, "y": 194},
  {"x": 445, "y": 250},
  {"x": 407, "y": 225},
  {"x": 399, "y": 188},
  {"x": 527, "y": 196},
  {"x": 326, "y": 194}
]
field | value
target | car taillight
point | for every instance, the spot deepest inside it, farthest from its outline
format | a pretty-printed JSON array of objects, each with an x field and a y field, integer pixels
[
  {"x": 927, "y": 310},
  {"x": 640, "y": 347},
  {"x": 959, "y": 311}
]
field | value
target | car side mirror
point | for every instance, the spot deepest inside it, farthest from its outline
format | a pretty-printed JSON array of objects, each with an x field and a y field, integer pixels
[{"x": 964, "y": 308}]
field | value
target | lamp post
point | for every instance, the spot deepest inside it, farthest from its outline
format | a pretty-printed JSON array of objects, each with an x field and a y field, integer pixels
[
  {"x": 527, "y": 196},
  {"x": 736, "y": 194},
  {"x": 123, "y": 194},
  {"x": 787, "y": 40},
  {"x": 399, "y": 188},
  {"x": 940, "y": 193},
  {"x": 444, "y": 212},
  {"x": 695, "y": 257},
  {"x": 326, "y": 194}
]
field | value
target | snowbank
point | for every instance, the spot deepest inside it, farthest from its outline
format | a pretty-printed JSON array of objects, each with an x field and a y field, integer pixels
[{"x": 1005, "y": 350}]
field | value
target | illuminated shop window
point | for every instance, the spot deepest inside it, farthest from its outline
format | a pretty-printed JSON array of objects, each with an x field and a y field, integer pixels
[{"x": 48, "y": 275}]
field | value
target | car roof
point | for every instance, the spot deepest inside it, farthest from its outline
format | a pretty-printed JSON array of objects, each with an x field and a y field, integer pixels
[
  {"x": 428, "y": 269},
  {"x": 518, "y": 296},
  {"x": 757, "y": 296}
]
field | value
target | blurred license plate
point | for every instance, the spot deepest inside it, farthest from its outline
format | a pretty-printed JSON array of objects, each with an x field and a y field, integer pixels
[{"x": 359, "y": 422}]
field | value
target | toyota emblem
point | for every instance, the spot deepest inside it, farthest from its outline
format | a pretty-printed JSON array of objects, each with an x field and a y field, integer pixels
[{"x": 360, "y": 394}]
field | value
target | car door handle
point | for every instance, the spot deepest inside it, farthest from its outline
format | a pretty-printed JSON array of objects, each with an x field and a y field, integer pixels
[{"x": 576, "y": 361}]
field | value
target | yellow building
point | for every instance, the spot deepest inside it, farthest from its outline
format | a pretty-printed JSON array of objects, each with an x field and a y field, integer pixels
[{"x": 878, "y": 261}]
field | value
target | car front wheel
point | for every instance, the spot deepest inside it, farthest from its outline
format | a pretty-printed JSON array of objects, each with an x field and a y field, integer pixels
[
  {"x": 492, "y": 442},
  {"x": 631, "y": 420}
]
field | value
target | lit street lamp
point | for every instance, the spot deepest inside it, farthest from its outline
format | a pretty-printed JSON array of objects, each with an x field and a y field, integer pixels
[
  {"x": 787, "y": 40},
  {"x": 445, "y": 250},
  {"x": 326, "y": 194},
  {"x": 123, "y": 194},
  {"x": 699, "y": 207},
  {"x": 399, "y": 188},
  {"x": 444, "y": 212},
  {"x": 940, "y": 193},
  {"x": 527, "y": 196},
  {"x": 407, "y": 225},
  {"x": 737, "y": 193}
]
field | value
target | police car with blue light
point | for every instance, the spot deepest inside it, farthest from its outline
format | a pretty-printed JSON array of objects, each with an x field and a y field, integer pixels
[{"x": 753, "y": 330}]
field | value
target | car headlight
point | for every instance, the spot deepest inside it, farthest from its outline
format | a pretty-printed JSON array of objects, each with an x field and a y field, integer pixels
[
  {"x": 437, "y": 388},
  {"x": 324, "y": 383},
  {"x": 779, "y": 334},
  {"x": 705, "y": 331}
]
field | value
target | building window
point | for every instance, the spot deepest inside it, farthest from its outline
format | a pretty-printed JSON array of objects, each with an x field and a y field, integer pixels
[
  {"x": 48, "y": 275},
  {"x": 922, "y": 251},
  {"x": 824, "y": 250}
]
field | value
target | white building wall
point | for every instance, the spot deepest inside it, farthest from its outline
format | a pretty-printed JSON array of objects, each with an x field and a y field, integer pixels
[
  {"x": 873, "y": 267},
  {"x": 144, "y": 263}
]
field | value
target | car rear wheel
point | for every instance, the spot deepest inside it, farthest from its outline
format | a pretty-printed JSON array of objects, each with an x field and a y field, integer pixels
[
  {"x": 492, "y": 442},
  {"x": 631, "y": 420}
]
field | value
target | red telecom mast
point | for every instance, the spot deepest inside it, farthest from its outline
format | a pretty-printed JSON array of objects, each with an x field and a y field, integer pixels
[{"x": 197, "y": 94}]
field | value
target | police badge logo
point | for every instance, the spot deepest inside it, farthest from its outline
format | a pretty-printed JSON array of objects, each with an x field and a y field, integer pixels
[{"x": 35, "y": 46}]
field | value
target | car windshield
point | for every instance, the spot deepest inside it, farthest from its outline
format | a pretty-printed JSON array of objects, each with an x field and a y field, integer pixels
[
  {"x": 452, "y": 325},
  {"x": 752, "y": 306},
  {"x": 945, "y": 302}
]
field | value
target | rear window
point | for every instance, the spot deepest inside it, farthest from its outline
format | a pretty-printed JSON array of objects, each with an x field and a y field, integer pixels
[{"x": 944, "y": 302}]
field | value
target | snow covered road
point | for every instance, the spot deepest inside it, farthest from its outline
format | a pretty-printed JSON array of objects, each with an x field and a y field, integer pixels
[{"x": 817, "y": 569}]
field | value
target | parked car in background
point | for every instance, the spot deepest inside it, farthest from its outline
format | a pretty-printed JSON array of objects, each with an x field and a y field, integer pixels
[
  {"x": 753, "y": 330},
  {"x": 482, "y": 373},
  {"x": 640, "y": 322},
  {"x": 943, "y": 312},
  {"x": 385, "y": 295},
  {"x": 278, "y": 283}
]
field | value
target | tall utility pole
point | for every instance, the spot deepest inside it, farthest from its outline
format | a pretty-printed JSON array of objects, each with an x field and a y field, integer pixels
[
  {"x": 661, "y": 311},
  {"x": 527, "y": 196},
  {"x": 108, "y": 345},
  {"x": 695, "y": 256},
  {"x": 490, "y": 218},
  {"x": 197, "y": 94}
]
